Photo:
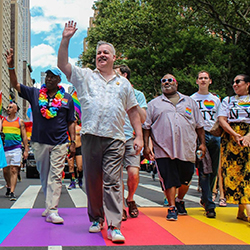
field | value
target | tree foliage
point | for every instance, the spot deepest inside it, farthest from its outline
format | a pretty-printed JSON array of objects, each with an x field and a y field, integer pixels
[{"x": 156, "y": 37}]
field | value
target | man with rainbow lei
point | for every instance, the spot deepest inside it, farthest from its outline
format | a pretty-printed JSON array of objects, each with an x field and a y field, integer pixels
[{"x": 53, "y": 116}]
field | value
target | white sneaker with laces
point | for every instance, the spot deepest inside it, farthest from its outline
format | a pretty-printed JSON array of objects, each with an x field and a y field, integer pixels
[
  {"x": 54, "y": 218},
  {"x": 115, "y": 235},
  {"x": 95, "y": 227}
]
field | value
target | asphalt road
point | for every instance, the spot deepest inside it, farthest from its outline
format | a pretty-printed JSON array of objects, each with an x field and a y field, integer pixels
[{"x": 148, "y": 195}]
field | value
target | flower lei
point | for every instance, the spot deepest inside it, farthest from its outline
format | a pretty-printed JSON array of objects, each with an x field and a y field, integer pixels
[{"x": 50, "y": 112}]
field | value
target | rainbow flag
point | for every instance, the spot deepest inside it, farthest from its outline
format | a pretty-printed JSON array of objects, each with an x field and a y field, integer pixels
[
  {"x": 188, "y": 111},
  {"x": 28, "y": 127},
  {"x": 1, "y": 105},
  {"x": 146, "y": 161},
  {"x": 10, "y": 99},
  {"x": 77, "y": 104}
]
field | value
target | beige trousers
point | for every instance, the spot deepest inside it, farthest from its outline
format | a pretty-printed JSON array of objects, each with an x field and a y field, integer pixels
[{"x": 50, "y": 162}]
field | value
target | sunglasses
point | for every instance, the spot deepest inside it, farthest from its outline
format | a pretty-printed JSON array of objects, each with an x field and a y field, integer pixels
[
  {"x": 238, "y": 81},
  {"x": 163, "y": 80}
]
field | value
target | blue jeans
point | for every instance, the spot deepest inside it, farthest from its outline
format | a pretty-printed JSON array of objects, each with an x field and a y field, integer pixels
[{"x": 207, "y": 181}]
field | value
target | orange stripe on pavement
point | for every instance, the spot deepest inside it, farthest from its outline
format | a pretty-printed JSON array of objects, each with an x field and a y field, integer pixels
[{"x": 191, "y": 231}]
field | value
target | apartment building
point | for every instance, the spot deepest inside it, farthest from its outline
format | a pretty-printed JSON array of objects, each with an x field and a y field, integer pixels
[
  {"x": 5, "y": 17},
  {"x": 15, "y": 33}
]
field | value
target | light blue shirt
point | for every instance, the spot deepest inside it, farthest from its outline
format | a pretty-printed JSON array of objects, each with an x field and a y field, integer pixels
[{"x": 128, "y": 129}]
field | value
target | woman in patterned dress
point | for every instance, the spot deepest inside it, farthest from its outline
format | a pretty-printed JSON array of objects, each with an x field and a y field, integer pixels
[{"x": 234, "y": 118}]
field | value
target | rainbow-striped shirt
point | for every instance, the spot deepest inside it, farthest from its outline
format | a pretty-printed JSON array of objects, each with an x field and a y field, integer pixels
[{"x": 12, "y": 131}]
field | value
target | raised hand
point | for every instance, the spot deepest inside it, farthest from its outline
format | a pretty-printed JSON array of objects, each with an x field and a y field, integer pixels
[
  {"x": 9, "y": 55},
  {"x": 69, "y": 29}
]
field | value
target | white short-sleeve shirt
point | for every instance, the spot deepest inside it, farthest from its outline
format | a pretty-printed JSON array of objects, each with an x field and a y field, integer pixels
[
  {"x": 103, "y": 103},
  {"x": 236, "y": 109},
  {"x": 209, "y": 107}
]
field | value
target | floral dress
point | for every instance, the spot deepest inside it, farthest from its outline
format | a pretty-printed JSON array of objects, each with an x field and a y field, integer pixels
[
  {"x": 235, "y": 165},
  {"x": 235, "y": 159}
]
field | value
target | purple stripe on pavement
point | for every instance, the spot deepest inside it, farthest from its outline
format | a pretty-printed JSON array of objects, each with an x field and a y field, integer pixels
[{"x": 33, "y": 230}]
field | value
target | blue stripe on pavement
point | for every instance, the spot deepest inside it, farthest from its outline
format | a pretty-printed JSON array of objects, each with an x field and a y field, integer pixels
[{"x": 9, "y": 218}]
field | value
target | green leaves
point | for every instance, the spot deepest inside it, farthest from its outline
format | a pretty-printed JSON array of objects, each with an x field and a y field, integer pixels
[{"x": 156, "y": 37}]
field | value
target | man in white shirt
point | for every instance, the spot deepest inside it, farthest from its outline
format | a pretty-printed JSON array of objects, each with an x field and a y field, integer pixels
[
  {"x": 105, "y": 98},
  {"x": 208, "y": 104}
]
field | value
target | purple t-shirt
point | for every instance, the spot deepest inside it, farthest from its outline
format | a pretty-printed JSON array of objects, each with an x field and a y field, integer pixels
[{"x": 49, "y": 131}]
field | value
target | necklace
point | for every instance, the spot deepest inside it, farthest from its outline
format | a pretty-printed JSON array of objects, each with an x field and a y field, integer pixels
[
  {"x": 50, "y": 111},
  {"x": 243, "y": 101}
]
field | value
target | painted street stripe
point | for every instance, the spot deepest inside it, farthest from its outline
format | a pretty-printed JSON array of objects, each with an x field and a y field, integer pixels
[
  {"x": 142, "y": 202},
  {"x": 28, "y": 197},
  {"x": 54, "y": 247},
  {"x": 78, "y": 197},
  {"x": 158, "y": 189},
  {"x": 144, "y": 175},
  {"x": 192, "y": 198}
]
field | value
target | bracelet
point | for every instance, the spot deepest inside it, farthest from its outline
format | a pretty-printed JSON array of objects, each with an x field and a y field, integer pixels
[
  {"x": 11, "y": 68},
  {"x": 73, "y": 141}
]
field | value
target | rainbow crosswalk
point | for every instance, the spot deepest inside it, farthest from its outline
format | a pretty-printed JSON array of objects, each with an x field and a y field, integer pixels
[{"x": 26, "y": 227}]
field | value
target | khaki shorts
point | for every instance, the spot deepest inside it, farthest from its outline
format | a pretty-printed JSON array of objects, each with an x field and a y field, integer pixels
[
  {"x": 14, "y": 157},
  {"x": 130, "y": 158}
]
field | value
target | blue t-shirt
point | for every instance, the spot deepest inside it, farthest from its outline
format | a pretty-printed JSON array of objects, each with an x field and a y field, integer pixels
[
  {"x": 49, "y": 131},
  {"x": 128, "y": 129}
]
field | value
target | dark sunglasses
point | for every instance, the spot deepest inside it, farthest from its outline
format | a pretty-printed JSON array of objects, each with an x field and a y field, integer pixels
[
  {"x": 238, "y": 81},
  {"x": 163, "y": 80}
]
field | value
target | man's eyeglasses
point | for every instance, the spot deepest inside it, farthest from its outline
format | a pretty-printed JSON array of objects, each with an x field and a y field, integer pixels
[
  {"x": 238, "y": 81},
  {"x": 163, "y": 80}
]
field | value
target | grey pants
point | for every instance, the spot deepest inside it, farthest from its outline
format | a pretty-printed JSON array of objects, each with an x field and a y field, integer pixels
[
  {"x": 102, "y": 158},
  {"x": 50, "y": 162}
]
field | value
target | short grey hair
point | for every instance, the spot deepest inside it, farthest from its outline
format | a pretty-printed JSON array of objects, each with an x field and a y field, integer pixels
[{"x": 106, "y": 43}]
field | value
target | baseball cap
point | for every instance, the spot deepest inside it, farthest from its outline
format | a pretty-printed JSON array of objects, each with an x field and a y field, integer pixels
[{"x": 54, "y": 71}]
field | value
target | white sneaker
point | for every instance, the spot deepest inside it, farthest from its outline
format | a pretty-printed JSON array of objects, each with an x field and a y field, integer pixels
[
  {"x": 95, "y": 227},
  {"x": 115, "y": 235},
  {"x": 54, "y": 218},
  {"x": 44, "y": 213}
]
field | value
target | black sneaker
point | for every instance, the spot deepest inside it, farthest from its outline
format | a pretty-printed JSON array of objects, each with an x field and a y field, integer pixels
[
  {"x": 7, "y": 194},
  {"x": 210, "y": 213},
  {"x": 172, "y": 214},
  {"x": 181, "y": 207},
  {"x": 12, "y": 197}
]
